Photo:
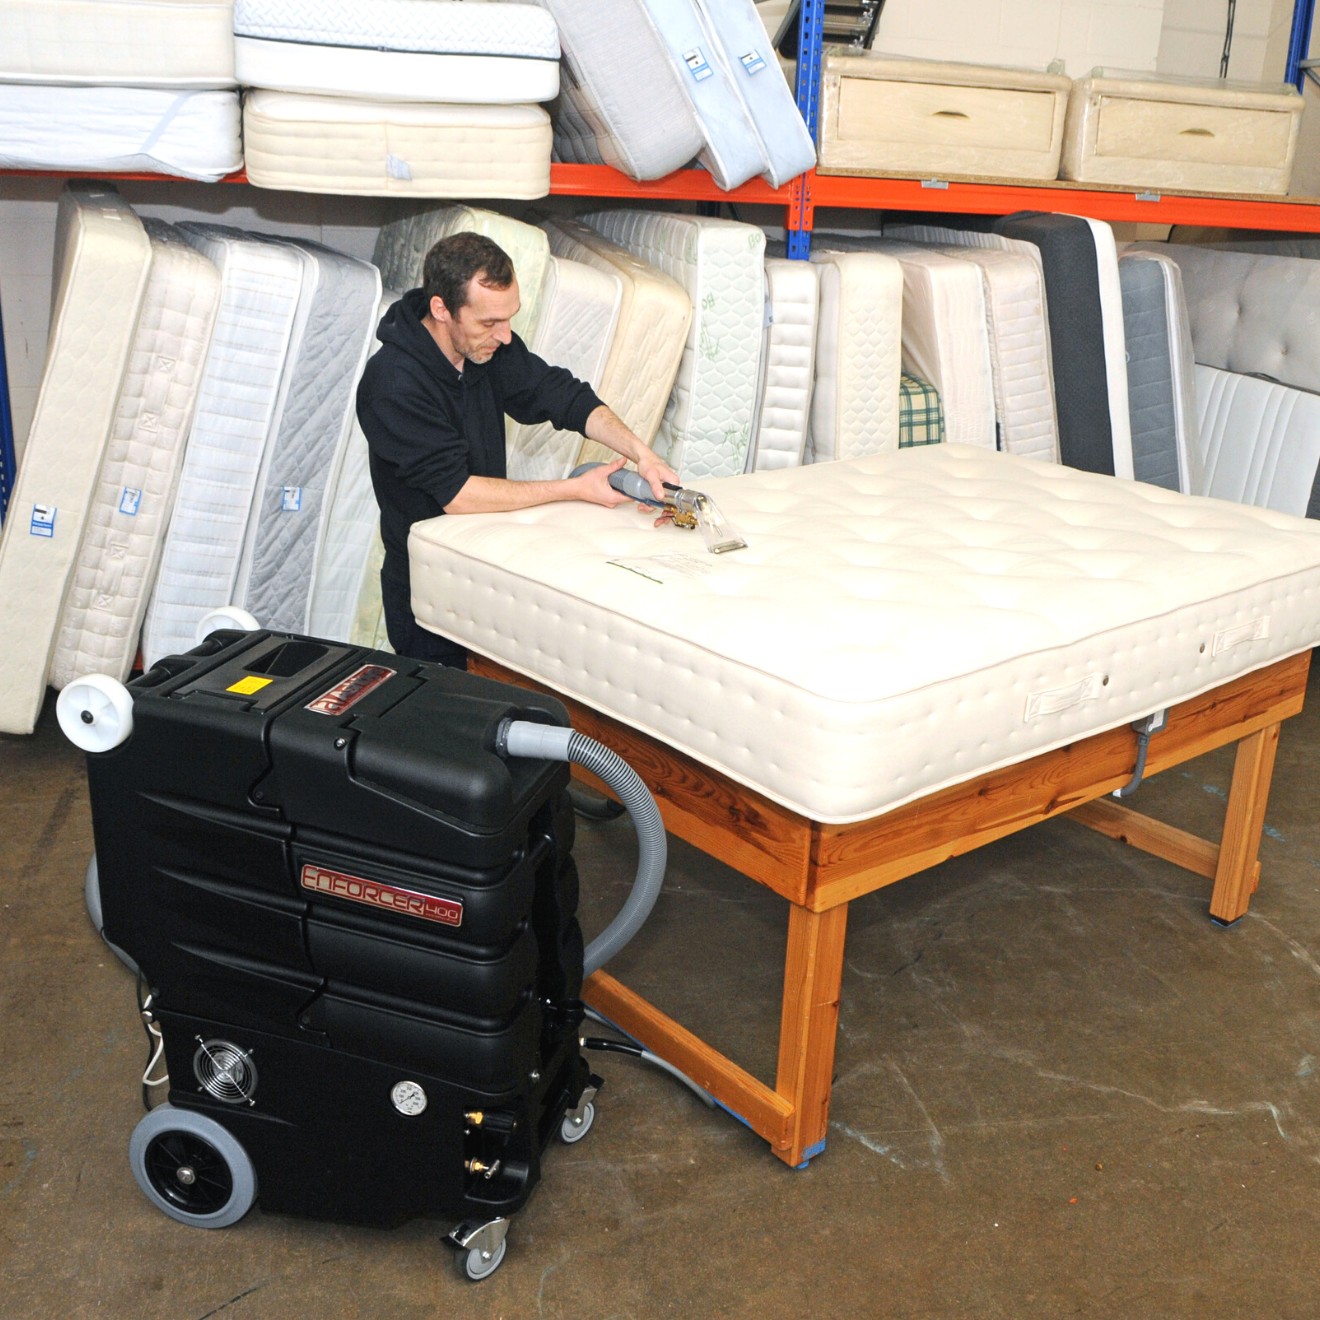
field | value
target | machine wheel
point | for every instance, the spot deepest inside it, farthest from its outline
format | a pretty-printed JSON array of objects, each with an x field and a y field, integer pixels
[
  {"x": 476, "y": 1264},
  {"x": 576, "y": 1126},
  {"x": 191, "y": 1168},
  {"x": 227, "y": 616},
  {"x": 95, "y": 712}
]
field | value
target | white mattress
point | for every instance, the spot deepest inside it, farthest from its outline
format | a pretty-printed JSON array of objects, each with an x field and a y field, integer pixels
[
  {"x": 121, "y": 544},
  {"x": 945, "y": 336},
  {"x": 649, "y": 336},
  {"x": 350, "y": 534},
  {"x": 1250, "y": 312},
  {"x": 260, "y": 284},
  {"x": 122, "y": 130},
  {"x": 392, "y": 49},
  {"x": 752, "y": 67},
  {"x": 102, "y": 263},
  {"x": 854, "y": 400},
  {"x": 402, "y": 245},
  {"x": 895, "y": 625},
  {"x": 575, "y": 331},
  {"x": 327, "y": 144},
  {"x": 137, "y": 43},
  {"x": 1260, "y": 441},
  {"x": 706, "y": 429},
  {"x": 620, "y": 102},
  {"x": 1166, "y": 446},
  {"x": 783, "y": 409},
  {"x": 369, "y": 620},
  {"x": 332, "y": 331}
]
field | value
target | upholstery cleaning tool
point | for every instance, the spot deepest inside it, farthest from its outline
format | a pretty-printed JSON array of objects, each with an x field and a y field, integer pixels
[{"x": 690, "y": 508}]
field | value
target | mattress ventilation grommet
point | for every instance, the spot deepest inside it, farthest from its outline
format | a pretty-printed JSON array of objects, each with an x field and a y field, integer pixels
[{"x": 1152, "y": 724}]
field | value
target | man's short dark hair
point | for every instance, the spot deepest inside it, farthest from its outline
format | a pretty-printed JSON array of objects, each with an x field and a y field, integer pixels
[{"x": 452, "y": 262}]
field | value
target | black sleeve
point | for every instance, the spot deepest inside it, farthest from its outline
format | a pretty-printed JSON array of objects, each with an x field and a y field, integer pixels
[{"x": 533, "y": 391}]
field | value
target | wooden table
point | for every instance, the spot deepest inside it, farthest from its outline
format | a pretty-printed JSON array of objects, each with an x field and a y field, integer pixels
[{"x": 821, "y": 868}]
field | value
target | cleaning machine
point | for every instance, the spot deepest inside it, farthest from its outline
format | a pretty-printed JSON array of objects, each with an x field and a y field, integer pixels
[{"x": 346, "y": 883}]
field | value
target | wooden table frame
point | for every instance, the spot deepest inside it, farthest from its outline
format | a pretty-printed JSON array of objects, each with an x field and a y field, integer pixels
[{"x": 820, "y": 868}]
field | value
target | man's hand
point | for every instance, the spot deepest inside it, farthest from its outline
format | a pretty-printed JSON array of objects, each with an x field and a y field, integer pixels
[{"x": 594, "y": 485}]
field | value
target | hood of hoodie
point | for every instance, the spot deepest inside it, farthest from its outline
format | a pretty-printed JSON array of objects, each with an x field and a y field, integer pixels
[{"x": 402, "y": 326}]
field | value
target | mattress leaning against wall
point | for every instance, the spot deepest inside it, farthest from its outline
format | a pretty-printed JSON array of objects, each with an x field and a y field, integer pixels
[
  {"x": 260, "y": 284},
  {"x": 121, "y": 544},
  {"x": 102, "y": 264},
  {"x": 783, "y": 409}
]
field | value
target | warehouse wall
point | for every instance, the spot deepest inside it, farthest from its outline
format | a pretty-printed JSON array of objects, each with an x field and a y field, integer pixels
[{"x": 1192, "y": 41}]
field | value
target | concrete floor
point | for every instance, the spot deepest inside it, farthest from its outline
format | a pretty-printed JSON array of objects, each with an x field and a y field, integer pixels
[{"x": 1061, "y": 1091}]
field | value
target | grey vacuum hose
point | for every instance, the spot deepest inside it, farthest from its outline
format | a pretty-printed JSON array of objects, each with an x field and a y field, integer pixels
[{"x": 551, "y": 742}]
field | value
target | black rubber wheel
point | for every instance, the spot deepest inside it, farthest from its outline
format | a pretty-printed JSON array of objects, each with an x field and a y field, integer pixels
[{"x": 191, "y": 1168}]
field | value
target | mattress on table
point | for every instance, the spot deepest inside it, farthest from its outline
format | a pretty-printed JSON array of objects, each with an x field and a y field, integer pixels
[
  {"x": 350, "y": 535},
  {"x": 620, "y": 100},
  {"x": 102, "y": 264},
  {"x": 1085, "y": 306},
  {"x": 1261, "y": 441},
  {"x": 329, "y": 144},
  {"x": 403, "y": 242},
  {"x": 575, "y": 331},
  {"x": 391, "y": 49},
  {"x": 895, "y": 625},
  {"x": 707, "y": 425},
  {"x": 1166, "y": 448},
  {"x": 855, "y": 394},
  {"x": 130, "y": 510},
  {"x": 788, "y": 369},
  {"x": 333, "y": 329},
  {"x": 121, "y": 130},
  {"x": 752, "y": 67},
  {"x": 920, "y": 413},
  {"x": 260, "y": 286},
  {"x": 1017, "y": 321},
  {"x": 138, "y": 43},
  {"x": 946, "y": 339},
  {"x": 649, "y": 335},
  {"x": 1250, "y": 312}
]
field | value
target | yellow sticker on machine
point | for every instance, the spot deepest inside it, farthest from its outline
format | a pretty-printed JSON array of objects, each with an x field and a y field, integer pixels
[{"x": 245, "y": 687}]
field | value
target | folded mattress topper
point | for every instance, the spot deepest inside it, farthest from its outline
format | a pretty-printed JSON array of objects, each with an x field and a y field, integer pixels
[
  {"x": 130, "y": 510},
  {"x": 1166, "y": 445},
  {"x": 895, "y": 625},
  {"x": 707, "y": 427},
  {"x": 102, "y": 265},
  {"x": 136, "y": 43},
  {"x": 121, "y": 130},
  {"x": 388, "y": 49},
  {"x": 621, "y": 102}
]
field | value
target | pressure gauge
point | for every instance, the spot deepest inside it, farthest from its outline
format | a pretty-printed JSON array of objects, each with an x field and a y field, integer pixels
[{"x": 409, "y": 1098}]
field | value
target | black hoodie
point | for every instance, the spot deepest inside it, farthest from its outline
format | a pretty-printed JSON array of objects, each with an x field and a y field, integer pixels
[{"x": 429, "y": 426}]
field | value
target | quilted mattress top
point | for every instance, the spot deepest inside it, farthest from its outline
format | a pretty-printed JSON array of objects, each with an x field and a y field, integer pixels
[{"x": 896, "y": 624}]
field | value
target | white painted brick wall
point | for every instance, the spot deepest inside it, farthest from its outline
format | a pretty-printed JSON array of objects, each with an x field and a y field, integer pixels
[{"x": 1192, "y": 43}]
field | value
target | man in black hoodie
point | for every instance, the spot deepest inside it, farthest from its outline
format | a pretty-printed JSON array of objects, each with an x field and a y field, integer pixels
[{"x": 431, "y": 404}]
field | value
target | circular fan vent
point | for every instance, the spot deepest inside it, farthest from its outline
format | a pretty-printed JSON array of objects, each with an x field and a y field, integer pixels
[{"x": 225, "y": 1071}]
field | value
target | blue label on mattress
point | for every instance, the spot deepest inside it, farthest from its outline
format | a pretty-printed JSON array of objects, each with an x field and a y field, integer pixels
[
  {"x": 291, "y": 499},
  {"x": 752, "y": 62},
  {"x": 43, "y": 520},
  {"x": 698, "y": 66},
  {"x": 129, "y": 501}
]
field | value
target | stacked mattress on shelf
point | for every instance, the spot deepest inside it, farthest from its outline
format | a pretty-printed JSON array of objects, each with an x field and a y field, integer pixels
[
  {"x": 1018, "y": 329},
  {"x": 707, "y": 426},
  {"x": 116, "y": 565},
  {"x": 1257, "y": 375},
  {"x": 103, "y": 260},
  {"x": 650, "y": 84},
  {"x": 341, "y": 103},
  {"x": 888, "y": 627},
  {"x": 142, "y": 86},
  {"x": 650, "y": 331}
]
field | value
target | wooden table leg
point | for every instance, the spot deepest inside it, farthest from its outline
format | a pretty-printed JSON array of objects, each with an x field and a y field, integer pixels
[
  {"x": 813, "y": 972},
  {"x": 1236, "y": 873}
]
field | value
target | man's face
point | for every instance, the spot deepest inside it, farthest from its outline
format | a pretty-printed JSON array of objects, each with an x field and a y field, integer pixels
[{"x": 482, "y": 323}]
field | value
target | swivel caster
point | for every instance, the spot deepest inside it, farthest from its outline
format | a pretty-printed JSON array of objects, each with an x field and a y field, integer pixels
[{"x": 480, "y": 1249}]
